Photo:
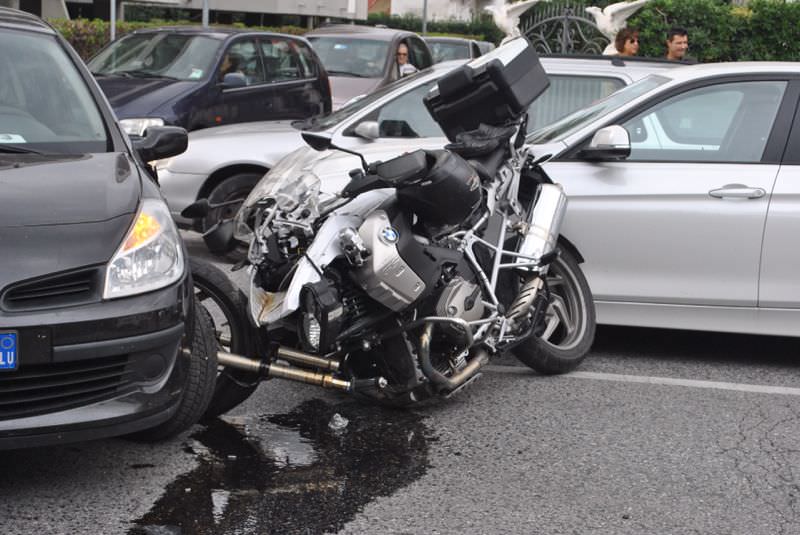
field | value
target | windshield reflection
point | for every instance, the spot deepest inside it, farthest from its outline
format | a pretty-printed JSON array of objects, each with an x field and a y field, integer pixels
[{"x": 575, "y": 121}]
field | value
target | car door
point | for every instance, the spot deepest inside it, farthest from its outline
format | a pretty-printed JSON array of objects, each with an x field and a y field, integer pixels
[
  {"x": 251, "y": 102},
  {"x": 681, "y": 220},
  {"x": 293, "y": 77},
  {"x": 780, "y": 259}
]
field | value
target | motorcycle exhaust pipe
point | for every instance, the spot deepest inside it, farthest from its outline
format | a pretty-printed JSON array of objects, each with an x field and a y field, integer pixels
[
  {"x": 480, "y": 358},
  {"x": 264, "y": 369},
  {"x": 544, "y": 223}
]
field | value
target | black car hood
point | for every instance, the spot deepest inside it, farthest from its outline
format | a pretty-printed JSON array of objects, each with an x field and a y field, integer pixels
[
  {"x": 60, "y": 216},
  {"x": 138, "y": 97}
]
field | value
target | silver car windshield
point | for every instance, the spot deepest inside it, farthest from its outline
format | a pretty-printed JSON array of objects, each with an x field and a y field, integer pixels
[
  {"x": 345, "y": 56},
  {"x": 575, "y": 121},
  {"x": 45, "y": 104},
  {"x": 158, "y": 55},
  {"x": 318, "y": 124}
]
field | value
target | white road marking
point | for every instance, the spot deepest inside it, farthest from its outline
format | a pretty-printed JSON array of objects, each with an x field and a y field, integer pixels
[{"x": 669, "y": 381}]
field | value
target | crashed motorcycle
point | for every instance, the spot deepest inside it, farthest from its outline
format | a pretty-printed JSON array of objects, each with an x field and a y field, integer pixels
[{"x": 402, "y": 286}]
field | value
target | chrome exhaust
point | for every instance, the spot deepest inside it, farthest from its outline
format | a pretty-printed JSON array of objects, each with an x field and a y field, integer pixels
[
  {"x": 544, "y": 223},
  {"x": 265, "y": 369}
]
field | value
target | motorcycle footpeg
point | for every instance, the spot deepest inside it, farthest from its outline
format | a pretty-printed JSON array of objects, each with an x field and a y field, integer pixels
[{"x": 373, "y": 383}]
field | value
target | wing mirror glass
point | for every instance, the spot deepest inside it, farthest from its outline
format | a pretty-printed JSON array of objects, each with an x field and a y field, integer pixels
[
  {"x": 609, "y": 143},
  {"x": 368, "y": 130},
  {"x": 161, "y": 142},
  {"x": 233, "y": 79}
]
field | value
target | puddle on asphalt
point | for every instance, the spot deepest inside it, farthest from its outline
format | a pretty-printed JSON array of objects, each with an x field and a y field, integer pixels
[{"x": 299, "y": 475}]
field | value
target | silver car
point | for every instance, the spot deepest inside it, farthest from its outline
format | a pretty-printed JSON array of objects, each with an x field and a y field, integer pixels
[
  {"x": 684, "y": 195},
  {"x": 224, "y": 163}
]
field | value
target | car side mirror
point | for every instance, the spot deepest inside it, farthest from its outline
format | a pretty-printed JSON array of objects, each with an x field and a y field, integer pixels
[
  {"x": 232, "y": 80},
  {"x": 318, "y": 142},
  {"x": 161, "y": 142},
  {"x": 368, "y": 130},
  {"x": 609, "y": 143}
]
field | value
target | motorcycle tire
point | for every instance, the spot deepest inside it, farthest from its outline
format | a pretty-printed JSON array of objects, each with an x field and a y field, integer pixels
[
  {"x": 227, "y": 306},
  {"x": 198, "y": 385},
  {"x": 569, "y": 327}
]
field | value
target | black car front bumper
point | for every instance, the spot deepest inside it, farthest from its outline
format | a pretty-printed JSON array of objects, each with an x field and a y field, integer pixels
[{"x": 95, "y": 370}]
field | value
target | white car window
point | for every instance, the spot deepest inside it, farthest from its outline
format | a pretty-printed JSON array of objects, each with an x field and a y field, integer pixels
[
  {"x": 723, "y": 123},
  {"x": 406, "y": 116}
]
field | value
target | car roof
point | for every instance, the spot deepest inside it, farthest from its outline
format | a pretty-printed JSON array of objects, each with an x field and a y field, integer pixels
[
  {"x": 703, "y": 70},
  {"x": 215, "y": 31},
  {"x": 22, "y": 20},
  {"x": 443, "y": 39},
  {"x": 362, "y": 32}
]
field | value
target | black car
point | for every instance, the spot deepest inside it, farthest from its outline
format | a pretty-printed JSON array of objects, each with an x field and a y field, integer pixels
[
  {"x": 99, "y": 332},
  {"x": 200, "y": 77}
]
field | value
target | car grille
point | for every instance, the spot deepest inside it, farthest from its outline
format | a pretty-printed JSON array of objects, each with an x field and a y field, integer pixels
[
  {"x": 64, "y": 289},
  {"x": 47, "y": 388}
]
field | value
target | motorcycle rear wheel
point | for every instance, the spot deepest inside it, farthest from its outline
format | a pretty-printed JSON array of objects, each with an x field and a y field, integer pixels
[{"x": 569, "y": 323}]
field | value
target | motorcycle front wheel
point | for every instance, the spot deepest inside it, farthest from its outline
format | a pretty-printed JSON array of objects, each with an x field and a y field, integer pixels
[
  {"x": 569, "y": 323},
  {"x": 227, "y": 307}
]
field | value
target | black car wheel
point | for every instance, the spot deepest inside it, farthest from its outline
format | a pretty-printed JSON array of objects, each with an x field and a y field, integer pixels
[
  {"x": 235, "y": 187},
  {"x": 200, "y": 377}
]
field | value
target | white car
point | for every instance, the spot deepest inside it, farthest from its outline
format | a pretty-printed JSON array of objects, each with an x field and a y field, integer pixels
[
  {"x": 224, "y": 163},
  {"x": 684, "y": 195}
]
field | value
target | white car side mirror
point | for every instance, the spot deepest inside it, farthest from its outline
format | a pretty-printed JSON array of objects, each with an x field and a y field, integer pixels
[
  {"x": 609, "y": 143},
  {"x": 368, "y": 130}
]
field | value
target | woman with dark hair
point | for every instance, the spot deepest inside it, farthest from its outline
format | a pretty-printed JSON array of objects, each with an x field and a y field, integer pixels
[{"x": 627, "y": 42}]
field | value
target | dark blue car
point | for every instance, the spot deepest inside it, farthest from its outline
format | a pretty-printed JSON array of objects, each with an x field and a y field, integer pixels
[{"x": 200, "y": 77}]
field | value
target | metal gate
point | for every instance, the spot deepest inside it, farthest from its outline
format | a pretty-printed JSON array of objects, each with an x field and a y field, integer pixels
[{"x": 558, "y": 28}]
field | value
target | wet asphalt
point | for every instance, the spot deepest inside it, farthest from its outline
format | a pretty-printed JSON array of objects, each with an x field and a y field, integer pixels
[{"x": 598, "y": 452}]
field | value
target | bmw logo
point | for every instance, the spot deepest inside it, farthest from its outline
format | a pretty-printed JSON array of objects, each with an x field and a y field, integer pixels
[{"x": 390, "y": 235}]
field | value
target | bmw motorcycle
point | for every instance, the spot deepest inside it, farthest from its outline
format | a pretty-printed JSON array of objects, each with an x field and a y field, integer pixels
[{"x": 402, "y": 286}]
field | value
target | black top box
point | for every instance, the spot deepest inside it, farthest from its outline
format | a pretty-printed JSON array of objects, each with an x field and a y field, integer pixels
[{"x": 492, "y": 89}]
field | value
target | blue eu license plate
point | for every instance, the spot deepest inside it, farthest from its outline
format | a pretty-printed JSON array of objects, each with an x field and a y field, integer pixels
[{"x": 9, "y": 352}]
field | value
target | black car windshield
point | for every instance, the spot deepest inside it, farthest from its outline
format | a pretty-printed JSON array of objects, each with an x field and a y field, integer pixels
[
  {"x": 346, "y": 56},
  {"x": 45, "y": 104},
  {"x": 575, "y": 121},
  {"x": 446, "y": 50},
  {"x": 174, "y": 56},
  {"x": 318, "y": 124}
]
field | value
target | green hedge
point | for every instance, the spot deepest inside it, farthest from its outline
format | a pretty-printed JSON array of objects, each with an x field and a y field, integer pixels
[
  {"x": 87, "y": 37},
  {"x": 718, "y": 31}
]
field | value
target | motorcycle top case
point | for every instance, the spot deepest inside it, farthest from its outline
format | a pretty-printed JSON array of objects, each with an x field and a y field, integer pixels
[{"x": 492, "y": 89}]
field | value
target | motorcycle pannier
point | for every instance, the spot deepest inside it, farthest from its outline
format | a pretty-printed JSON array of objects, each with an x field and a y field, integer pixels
[
  {"x": 492, "y": 89},
  {"x": 448, "y": 193}
]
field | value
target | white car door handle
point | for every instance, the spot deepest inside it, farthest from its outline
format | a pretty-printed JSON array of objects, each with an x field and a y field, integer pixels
[{"x": 737, "y": 191}]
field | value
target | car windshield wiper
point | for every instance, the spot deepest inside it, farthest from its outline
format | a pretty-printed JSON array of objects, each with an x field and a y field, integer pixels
[
  {"x": 15, "y": 149},
  {"x": 346, "y": 73},
  {"x": 142, "y": 74}
]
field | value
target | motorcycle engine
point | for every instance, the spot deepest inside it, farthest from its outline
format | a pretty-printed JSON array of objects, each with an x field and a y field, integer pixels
[{"x": 402, "y": 268}]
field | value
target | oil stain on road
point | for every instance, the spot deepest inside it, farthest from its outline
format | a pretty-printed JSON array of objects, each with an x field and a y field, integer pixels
[{"x": 296, "y": 474}]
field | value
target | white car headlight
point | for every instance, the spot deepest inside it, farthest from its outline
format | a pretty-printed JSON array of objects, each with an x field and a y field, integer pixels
[
  {"x": 150, "y": 256},
  {"x": 137, "y": 127}
]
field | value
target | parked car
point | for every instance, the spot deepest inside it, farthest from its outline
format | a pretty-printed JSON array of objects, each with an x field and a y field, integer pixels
[
  {"x": 447, "y": 48},
  {"x": 224, "y": 163},
  {"x": 99, "y": 333},
  {"x": 200, "y": 77},
  {"x": 361, "y": 59},
  {"x": 683, "y": 196}
]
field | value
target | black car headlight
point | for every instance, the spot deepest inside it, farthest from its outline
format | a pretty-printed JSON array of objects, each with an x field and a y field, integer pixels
[{"x": 150, "y": 256}]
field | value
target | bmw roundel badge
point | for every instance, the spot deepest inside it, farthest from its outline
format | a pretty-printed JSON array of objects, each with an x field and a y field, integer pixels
[{"x": 389, "y": 235}]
